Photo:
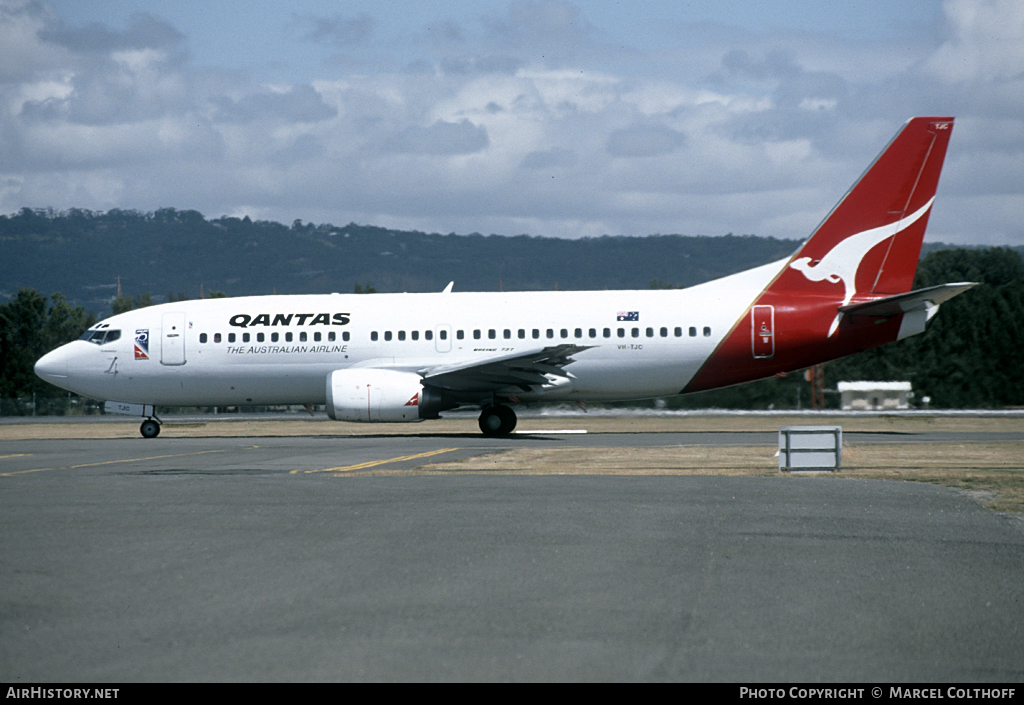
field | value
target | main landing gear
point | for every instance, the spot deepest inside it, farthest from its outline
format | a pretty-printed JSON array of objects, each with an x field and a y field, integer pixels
[
  {"x": 150, "y": 428},
  {"x": 497, "y": 420}
]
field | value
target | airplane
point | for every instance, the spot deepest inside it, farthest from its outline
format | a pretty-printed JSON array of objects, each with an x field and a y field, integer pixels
[{"x": 409, "y": 357}]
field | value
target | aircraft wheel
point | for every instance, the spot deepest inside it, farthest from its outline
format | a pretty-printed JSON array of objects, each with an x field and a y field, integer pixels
[
  {"x": 497, "y": 421},
  {"x": 149, "y": 429}
]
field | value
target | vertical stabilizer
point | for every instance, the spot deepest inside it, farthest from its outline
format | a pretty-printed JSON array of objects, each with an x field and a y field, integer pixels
[{"x": 871, "y": 241}]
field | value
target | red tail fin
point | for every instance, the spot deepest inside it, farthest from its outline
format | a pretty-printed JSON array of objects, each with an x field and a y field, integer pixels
[
  {"x": 871, "y": 241},
  {"x": 866, "y": 249}
]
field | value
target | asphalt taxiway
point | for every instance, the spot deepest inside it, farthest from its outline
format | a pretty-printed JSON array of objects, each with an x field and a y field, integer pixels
[{"x": 268, "y": 558}]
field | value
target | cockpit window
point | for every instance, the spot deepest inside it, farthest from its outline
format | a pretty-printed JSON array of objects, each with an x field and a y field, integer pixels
[{"x": 99, "y": 337}]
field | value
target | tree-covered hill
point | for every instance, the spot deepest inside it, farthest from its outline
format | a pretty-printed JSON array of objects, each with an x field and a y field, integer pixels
[{"x": 82, "y": 253}]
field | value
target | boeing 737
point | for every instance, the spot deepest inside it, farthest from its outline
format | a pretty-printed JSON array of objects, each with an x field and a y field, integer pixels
[{"x": 409, "y": 357}]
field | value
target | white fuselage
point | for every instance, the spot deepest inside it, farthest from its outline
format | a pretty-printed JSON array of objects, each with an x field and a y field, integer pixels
[{"x": 281, "y": 349}]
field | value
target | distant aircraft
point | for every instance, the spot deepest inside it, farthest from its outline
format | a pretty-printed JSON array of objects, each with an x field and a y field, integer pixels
[{"x": 408, "y": 357}]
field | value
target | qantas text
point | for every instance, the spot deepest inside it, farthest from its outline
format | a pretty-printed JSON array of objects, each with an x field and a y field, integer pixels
[{"x": 244, "y": 320}]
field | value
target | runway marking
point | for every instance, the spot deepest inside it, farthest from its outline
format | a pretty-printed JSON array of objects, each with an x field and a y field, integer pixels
[
  {"x": 109, "y": 462},
  {"x": 373, "y": 463},
  {"x": 16, "y": 455}
]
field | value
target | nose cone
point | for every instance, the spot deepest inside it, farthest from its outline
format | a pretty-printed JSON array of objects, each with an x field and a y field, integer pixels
[{"x": 53, "y": 366}]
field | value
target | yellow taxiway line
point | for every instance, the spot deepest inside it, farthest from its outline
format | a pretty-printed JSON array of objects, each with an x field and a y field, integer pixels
[{"x": 373, "y": 463}]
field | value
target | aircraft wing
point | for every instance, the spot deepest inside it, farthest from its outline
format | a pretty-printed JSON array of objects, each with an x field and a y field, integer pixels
[
  {"x": 903, "y": 303},
  {"x": 521, "y": 370}
]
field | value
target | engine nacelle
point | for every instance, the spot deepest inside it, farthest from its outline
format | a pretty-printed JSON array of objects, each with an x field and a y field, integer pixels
[{"x": 371, "y": 395}]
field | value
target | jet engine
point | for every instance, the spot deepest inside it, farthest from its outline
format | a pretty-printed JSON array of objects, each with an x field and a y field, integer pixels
[{"x": 371, "y": 394}]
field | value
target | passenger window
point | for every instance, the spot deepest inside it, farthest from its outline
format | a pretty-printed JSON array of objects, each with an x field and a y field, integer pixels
[
  {"x": 415, "y": 335},
  {"x": 476, "y": 334},
  {"x": 551, "y": 333},
  {"x": 287, "y": 337},
  {"x": 274, "y": 337},
  {"x": 664, "y": 332},
  {"x": 693, "y": 332},
  {"x": 536, "y": 333},
  {"x": 593, "y": 332},
  {"x": 260, "y": 337},
  {"x": 216, "y": 337},
  {"x": 579, "y": 332},
  {"x": 507, "y": 334},
  {"x": 373, "y": 336},
  {"x": 231, "y": 337},
  {"x": 387, "y": 335},
  {"x": 564, "y": 333},
  {"x": 460, "y": 334},
  {"x": 607, "y": 332},
  {"x": 427, "y": 335},
  {"x": 622, "y": 332},
  {"x": 443, "y": 334},
  {"x": 401, "y": 335},
  {"x": 635, "y": 332},
  {"x": 522, "y": 333},
  {"x": 707, "y": 331},
  {"x": 202, "y": 337},
  {"x": 650, "y": 332},
  {"x": 491, "y": 335},
  {"x": 245, "y": 337}
]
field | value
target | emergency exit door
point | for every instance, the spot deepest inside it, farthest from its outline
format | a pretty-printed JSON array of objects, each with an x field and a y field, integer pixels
[{"x": 763, "y": 331}]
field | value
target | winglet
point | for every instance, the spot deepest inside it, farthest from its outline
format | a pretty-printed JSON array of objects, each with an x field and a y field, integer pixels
[{"x": 448, "y": 289}]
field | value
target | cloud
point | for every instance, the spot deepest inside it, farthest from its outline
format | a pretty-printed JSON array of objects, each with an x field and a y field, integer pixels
[
  {"x": 296, "y": 104},
  {"x": 337, "y": 30},
  {"x": 441, "y": 138},
  {"x": 644, "y": 141},
  {"x": 537, "y": 117},
  {"x": 986, "y": 42},
  {"x": 143, "y": 32},
  {"x": 550, "y": 158}
]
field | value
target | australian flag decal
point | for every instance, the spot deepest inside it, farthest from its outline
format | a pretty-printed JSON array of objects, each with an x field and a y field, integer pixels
[
  {"x": 142, "y": 344},
  {"x": 628, "y": 316}
]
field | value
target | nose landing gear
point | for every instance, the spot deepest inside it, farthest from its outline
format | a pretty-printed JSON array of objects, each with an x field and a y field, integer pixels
[{"x": 150, "y": 428}]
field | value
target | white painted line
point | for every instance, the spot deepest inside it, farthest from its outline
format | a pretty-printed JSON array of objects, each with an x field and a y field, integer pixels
[{"x": 548, "y": 433}]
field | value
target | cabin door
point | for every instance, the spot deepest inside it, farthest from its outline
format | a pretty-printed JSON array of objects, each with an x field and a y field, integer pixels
[
  {"x": 763, "y": 331},
  {"x": 172, "y": 339}
]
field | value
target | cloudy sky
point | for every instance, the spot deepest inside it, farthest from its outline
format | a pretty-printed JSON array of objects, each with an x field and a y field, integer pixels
[{"x": 546, "y": 117}]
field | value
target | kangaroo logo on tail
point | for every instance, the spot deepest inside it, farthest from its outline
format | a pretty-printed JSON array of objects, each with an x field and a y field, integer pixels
[{"x": 842, "y": 261}]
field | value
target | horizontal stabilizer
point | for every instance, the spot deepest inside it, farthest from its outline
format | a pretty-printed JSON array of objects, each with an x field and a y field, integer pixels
[{"x": 903, "y": 303}]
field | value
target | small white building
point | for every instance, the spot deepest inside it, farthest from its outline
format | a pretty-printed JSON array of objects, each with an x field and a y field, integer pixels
[{"x": 875, "y": 396}]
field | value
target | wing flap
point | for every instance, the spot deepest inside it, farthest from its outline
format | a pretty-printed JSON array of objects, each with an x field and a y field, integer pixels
[{"x": 517, "y": 369}]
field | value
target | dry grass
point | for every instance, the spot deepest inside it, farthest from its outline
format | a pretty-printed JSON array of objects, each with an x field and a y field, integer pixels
[{"x": 993, "y": 471}]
